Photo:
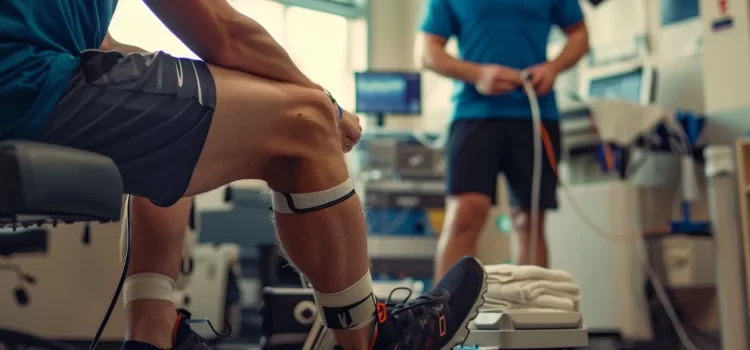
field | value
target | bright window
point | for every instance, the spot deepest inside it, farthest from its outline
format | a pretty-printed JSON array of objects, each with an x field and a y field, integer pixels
[
  {"x": 135, "y": 24},
  {"x": 270, "y": 14},
  {"x": 317, "y": 42}
]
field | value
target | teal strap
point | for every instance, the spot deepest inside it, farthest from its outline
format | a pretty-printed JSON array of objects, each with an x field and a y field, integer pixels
[{"x": 341, "y": 111}]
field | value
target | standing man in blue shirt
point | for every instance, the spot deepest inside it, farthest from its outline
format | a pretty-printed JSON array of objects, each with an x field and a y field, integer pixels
[
  {"x": 492, "y": 130},
  {"x": 178, "y": 127}
]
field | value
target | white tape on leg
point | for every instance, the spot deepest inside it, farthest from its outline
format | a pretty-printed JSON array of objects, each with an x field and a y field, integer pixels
[
  {"x": 288, "y": 203},
  {"x": 148, "y": 286}
]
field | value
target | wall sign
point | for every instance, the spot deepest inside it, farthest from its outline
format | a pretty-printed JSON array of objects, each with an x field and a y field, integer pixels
[{"x": 725, "y": 20}]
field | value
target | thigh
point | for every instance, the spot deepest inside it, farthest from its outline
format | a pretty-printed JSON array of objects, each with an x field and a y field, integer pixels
[
  {"x": 150, "y": 113},
  {"x": 473, "y": 158},
  {"x": 519, "y": 167},
  {"x": 175, "y": 127},
  {"x": 255, "y": 121}
]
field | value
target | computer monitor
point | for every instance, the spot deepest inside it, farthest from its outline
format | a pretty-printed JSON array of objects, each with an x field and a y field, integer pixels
[
  {"x": 382, "y": 93},
  {"x": 630, "y": 81}
]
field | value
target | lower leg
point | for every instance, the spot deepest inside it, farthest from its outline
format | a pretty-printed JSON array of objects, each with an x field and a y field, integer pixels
[
  {"x": 526, "y": 241},
  {"x": 466, "y": 216},
  {"x": 330, "y": 245},
  {"x": 156, "y": 248}
]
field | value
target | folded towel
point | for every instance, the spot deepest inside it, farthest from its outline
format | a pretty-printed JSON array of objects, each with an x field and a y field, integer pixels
[
  {"x": 514, "y": 307},
  {"x": 507, "y": 273},
  {"x": 525, "y": 291},
  {"x": 540, "y": 302}
]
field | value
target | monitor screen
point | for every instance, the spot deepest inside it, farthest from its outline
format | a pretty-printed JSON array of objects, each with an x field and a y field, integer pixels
[
  {"x": 626, "y": 86},
  {"x": 388, "y": 92}
]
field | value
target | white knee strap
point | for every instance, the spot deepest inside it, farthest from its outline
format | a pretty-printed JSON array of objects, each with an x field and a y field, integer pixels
[
  {"x": 287, "y": 203},
  {"x": 148, "y": 286}
]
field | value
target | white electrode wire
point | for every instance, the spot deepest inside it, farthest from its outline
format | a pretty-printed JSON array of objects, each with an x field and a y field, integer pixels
[
  {"x": 661, "y": 293},
  {"x": 535, "y": 189},
  {"x": 536, "y": 176}
]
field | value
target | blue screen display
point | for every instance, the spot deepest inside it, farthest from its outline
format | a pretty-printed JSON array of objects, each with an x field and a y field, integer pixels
[
  {"x": 625, "y": 86},
  {"x": 388, "y": 92},
  {"x": 674, "y": 11}
]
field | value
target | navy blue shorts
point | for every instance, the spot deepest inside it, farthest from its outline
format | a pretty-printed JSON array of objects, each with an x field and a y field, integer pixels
[
  {"x": 479, "y": 149},
  {"x": 150, "y": 113}
]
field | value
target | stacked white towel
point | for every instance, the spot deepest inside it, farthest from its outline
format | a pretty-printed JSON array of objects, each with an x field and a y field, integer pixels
[{"x": 529, "y": 287}]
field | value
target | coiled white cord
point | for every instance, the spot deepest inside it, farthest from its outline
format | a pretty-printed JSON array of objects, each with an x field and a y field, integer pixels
[
  {"x": 535, "y": 189},
  {"x": 536, "y": 175}
]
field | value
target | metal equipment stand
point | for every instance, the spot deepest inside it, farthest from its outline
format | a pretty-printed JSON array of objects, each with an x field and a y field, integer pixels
[{"x": 722, "y": 205}]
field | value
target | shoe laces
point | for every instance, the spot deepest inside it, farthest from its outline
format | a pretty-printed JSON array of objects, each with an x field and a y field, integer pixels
[
  {"x": 416, "y": 306},
  {"x": 424, "y": 300}
]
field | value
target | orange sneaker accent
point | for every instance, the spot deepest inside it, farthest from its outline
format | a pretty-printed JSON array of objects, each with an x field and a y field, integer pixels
[
  {"x": 382, "y": 313},
  {"x": 441, "y": 324}
]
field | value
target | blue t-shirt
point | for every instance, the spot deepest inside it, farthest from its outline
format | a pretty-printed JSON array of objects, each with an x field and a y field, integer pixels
[
  {"x": 40, "y": 45},
  {"x": 511, "y": 33}
]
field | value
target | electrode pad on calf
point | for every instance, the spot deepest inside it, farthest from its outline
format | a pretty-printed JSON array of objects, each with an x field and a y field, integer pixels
[
  {"x": 148, "y": 286},
  {"x": 287, "y": 203},
  {"x": 352, "y": 308}
]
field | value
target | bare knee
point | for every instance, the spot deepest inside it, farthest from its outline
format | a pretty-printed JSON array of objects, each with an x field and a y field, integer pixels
[
  {"x": 309, "y": 144},
  {"x": 467, "y": 214},
  {"x": 308, "y": 122}
]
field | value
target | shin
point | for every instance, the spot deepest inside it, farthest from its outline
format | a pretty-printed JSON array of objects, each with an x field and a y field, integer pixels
[
  {"x": 156, "y": 249},
  {"x": 526, "y": 243},
  {"x": 321, "y": 227}
]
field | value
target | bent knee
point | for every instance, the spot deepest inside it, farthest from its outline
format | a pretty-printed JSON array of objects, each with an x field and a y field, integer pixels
[
  {"x": 308, "y": 143},
  {"x": 468, "y": 213},
  {"x": 310, "y": 124}
]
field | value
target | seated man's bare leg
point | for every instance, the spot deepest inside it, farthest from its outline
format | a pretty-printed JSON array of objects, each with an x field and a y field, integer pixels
[
  {"x": 285, "y": 135},
  {"x": 288, "y": 136},
  {"x": 156, "y": 247}
]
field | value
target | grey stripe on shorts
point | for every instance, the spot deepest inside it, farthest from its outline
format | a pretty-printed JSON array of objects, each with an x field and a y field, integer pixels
[{"x": 150, "y": 113}]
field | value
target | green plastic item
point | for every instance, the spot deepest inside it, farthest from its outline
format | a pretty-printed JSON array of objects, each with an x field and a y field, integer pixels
[{"x": 504, "y": 224}]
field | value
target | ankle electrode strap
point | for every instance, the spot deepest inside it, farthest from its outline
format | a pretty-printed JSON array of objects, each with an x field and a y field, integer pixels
[
  {"x": 352, "y": 308},
  {"x": 287, "y": 203}
]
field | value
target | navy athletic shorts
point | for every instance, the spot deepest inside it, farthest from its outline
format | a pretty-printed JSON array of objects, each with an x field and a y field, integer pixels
[
  {"x": 479, "y": 149},
  {"x": 150, "y": 113}
]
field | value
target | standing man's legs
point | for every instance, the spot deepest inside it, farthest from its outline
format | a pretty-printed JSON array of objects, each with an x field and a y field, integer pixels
[
  {"x": 259, "y": 129},
  {"x": 519, "y": 172},
  {"x": 473, "y": 157}
]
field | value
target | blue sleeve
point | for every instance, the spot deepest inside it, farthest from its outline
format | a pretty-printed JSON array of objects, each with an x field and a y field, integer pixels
[
  {"x": 439, "y": 19},
  {"x": 566, "y": 13}
]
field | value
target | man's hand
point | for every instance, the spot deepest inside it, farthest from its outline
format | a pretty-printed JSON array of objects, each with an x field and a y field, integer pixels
[
  {"x": 543, "y": 77},
  {"x": 351, "y": 131},
  {"x": 497, "y": 80}
]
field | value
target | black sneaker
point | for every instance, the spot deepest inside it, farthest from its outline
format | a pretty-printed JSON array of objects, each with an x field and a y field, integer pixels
[
  {"x": 438, "y": 319},
  {"x": 185, "y": 338}
]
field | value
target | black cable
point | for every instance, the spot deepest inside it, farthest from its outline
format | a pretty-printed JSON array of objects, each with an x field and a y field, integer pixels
[{"x": 120, "y": 283}]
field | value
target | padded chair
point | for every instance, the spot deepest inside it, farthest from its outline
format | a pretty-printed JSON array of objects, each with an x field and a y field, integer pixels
[{"x": 42, "y": 183}]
